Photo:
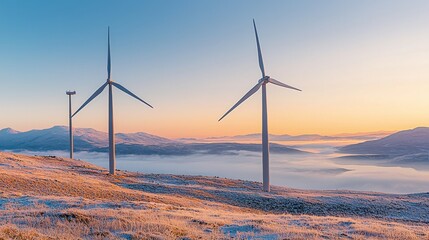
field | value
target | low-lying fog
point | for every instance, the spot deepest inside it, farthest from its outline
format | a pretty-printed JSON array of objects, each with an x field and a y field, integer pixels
[{"x": 319, "y": 170}]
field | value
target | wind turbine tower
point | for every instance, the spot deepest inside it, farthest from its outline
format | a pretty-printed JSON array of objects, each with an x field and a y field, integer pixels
[
  {"x": 262, "y": 82},
  {"x": 70, "y": 93},
  {"x": 111, "y": 83}
]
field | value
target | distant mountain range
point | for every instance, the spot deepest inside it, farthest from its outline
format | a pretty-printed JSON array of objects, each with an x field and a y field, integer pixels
[
  {"x": 84, "y": 139},
  {"x": 401, "y": 143},
  {"x": 305, "y": 137},
  {"x": 405, "y": 148},
  {"x": 87, "y": 139}
]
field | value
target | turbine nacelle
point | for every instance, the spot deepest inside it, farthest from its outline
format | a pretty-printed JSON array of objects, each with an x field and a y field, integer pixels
[{"x": 264, "y": 80}]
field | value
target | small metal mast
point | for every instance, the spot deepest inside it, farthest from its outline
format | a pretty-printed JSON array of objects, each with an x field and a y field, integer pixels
[{"x": 70, "y": 93}]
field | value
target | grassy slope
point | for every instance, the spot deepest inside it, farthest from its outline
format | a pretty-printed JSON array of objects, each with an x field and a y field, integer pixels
[{"x": 50, "y": 198}]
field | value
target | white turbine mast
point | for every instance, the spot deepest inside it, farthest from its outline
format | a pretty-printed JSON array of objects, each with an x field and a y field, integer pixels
[
  {"x": 70, "y": 94},
  {"x": 262, "y": 82},
  {"x": 110, "y": 83}
]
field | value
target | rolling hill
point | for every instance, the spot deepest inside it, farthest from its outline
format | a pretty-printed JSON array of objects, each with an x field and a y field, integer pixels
[{"x": 47, "y": 197}]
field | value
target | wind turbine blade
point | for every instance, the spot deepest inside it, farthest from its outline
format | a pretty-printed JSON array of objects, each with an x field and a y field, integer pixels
[
  {"x": 129, "y": 93},
  {"x": 108, "y": 53},
  {"x": 94, "y": 95},
  {"x": 273, "y": 81},
  {"x": 261, "y": 61},
  {"x": 248, "y": 94}
]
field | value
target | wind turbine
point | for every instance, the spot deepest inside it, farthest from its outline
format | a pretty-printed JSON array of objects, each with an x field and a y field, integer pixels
[
  {"x": 110, "y": 83},
  {"x": 262, "y": 82},
  {"x": 70, "y": 93}
]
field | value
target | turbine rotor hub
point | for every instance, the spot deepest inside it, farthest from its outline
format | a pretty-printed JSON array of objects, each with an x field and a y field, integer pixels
[{"x": 264, "y": 79}]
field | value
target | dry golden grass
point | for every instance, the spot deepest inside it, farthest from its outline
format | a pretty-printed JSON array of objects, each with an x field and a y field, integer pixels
[{"x": 55, "y": 198}]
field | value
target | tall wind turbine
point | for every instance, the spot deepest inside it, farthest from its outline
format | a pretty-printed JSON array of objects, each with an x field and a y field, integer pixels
[
  {"x": 70, "y": 93},
  {"x": 110, "y": 83},
  {"x": 262, "y": 82}
]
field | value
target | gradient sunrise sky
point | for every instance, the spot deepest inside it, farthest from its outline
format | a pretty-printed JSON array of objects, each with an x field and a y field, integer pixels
[{"x": 363, "y": 65}]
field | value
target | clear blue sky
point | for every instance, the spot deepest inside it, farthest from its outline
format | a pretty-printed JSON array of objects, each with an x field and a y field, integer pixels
[{"x": 363, "y": 65}]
